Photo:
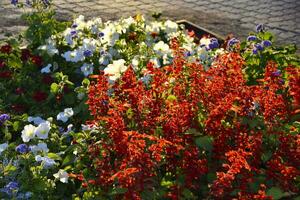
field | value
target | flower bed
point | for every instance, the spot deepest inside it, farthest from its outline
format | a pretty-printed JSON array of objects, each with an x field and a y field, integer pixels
[{"x": 143, "y": 109}]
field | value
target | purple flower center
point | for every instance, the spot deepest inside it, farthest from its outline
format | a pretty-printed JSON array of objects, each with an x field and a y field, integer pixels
[
  {"x": 73, "y": 33},
  {"x": 187, "y": 54},
  {"x": 22, "y": 148},
  {"x": 87, "y": 53},
  {"x": 101, "y": 34}
]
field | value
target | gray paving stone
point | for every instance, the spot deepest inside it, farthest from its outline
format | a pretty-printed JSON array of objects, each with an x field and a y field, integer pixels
[{"x": 221, "y": 16}]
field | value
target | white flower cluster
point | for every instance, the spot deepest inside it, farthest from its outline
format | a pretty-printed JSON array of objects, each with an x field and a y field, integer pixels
[
  {"x": 40, "y": 130},
  {"x": 114, "y": 45}
]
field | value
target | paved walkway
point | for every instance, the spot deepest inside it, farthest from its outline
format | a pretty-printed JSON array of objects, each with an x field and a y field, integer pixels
[{"x": 282, "y": 17}]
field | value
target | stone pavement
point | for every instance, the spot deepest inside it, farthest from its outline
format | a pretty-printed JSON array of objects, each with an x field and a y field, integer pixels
[{"x": 282, "y": 17}]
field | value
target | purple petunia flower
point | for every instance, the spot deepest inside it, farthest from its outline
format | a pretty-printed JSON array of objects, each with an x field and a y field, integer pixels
[
  {"x": 3, "y": 118},
  {"x": 260, "y": 28},
  {"x": 233, "y": 41},
  {"x": 267, "y": 43},
  {"x": 22, "y": 148},
  {"x": 213, "y": 43},
  {"x": 187, "y": 54},
  {"x": 281, "y": 81},
  {"x": 28, "y": 3},
  {"x": 14, "y": 2},
  {"x": 10, "y": 188},
  {"x": 87, "y": 53},
  {"x": 254, "y": 51},
  {"x": 251, "y": 38},
  {"x": 259, "y": 47}
]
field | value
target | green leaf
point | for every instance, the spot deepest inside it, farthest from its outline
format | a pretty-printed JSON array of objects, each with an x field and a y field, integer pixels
[
  {"x": 118, "y": 191},
  {"x": 205, "y": 142},
  {"x": 16, "y": 125},
  {"x": 9, "y": 168},
  {"x": 275, "y": 192},
  {"x": 68, "y": 159},
  {"x": 172, "y": 98},
  {"x": 187, "y": 194},
  {"x": 266, "y": 156},
  {"x": 211, "y": 177},
  {"x": 54, "y": 88},
  {"x": 85, "y": 82},
  {"x": 129, "y": 113},
  {"x": 54, "y": 156}
]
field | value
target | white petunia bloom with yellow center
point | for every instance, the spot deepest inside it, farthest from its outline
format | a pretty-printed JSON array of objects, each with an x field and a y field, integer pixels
[
  {"x": 28, "y": 133},
  {"x": 42, "y": 130}
]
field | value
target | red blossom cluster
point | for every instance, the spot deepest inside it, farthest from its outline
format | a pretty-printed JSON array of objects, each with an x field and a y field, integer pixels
[{"x": 146, "y": 129}]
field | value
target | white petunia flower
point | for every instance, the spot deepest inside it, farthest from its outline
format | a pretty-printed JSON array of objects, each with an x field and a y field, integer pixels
[
  {"x": 105, "y": 59},
  {"x": 3, "y": 147},
  {"x": 161, "y": 48},
  {"x": 88, "y": 127},
  {"x": 155, "y": 62},
  {"x": 28, "y": 133},
  {"x": 135, "y": 62},
  {"x": 154, "y": 27},
  {"x": 42, "y": 130},
  {"x": 89, "y": 44},
  {"x": 50, "y": 47},
  {"x": 69, "y": 129},
  {"x": 128, "y": 21},
  {"x": 46, "y": 69},
  {"x": 41, "y": 147},
  {"x": 36, "y": 120},
  {"x": 64, "y": 116},
  {"x": 46, "y": 161},
  {"x": 205, "y": 42},
  {"x": 61, "y": 116},
  {"x": 170, "y": 27},
  {"x": 80, "y": 22},
  {"x": 62, "y": 175},
  {"x": 87, "y": 69},
  {"x": 115, "y": 69},
  {"x": 69, "y": 112},
  {"x": 110, "y": 35},
  {"x": 74, "y": 56}
]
